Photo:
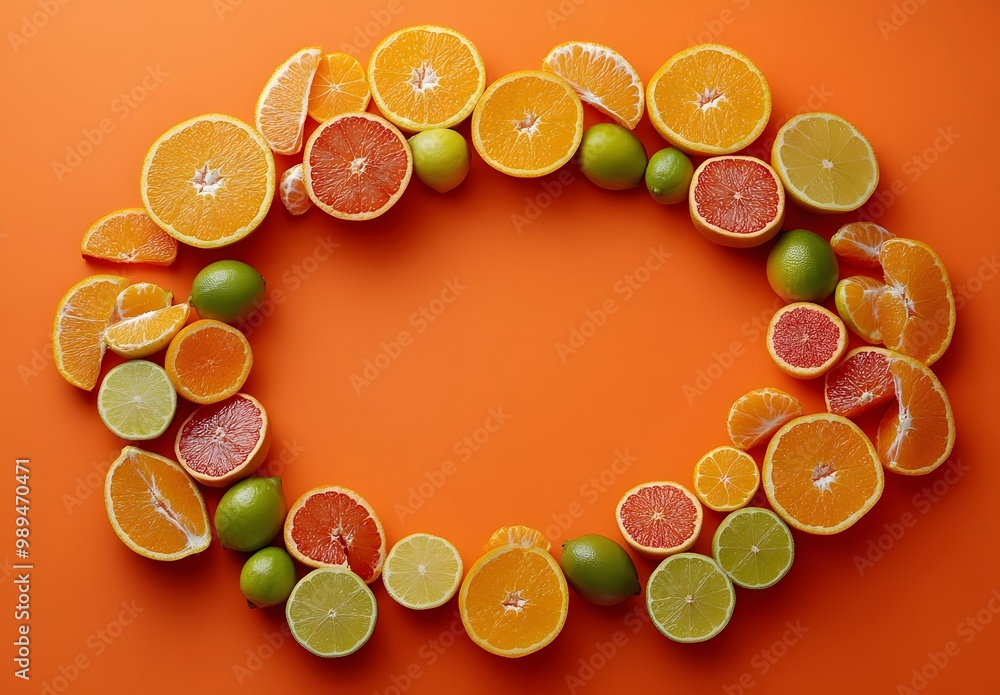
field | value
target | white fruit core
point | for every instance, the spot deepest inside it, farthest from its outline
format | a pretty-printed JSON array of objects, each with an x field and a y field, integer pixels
[
  {"x": 423, "y": 79},
  {"x": 206, "y": 179}
]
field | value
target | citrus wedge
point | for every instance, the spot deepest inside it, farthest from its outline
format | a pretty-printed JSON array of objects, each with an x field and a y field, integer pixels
[
  {"x": 82, "y": 316},
  {"x": 601, "y": 77},
  {"x": 860, "y": 243},
  {"x": 422, "y": 571},
  {"x": 857, "y": 303},
  {"x": 690, "y": 598},
  {"x": 292, "y": 190},
  {"x": 331, "y": 612},
  {"x": 141, "y": 298},
  {"x": 339, "y": 86},
  {"x": 129, "y": 236},
  {"x": 283, "y": 103},
  {"x": 726, "y": 478},
  {"x": 146, "y": 333},
  {"x": 754, "y": 547},
  {"x": 859, "y": 382},
  {"x": 208, "y": 361},
  {"x": 755, "y": 416}
]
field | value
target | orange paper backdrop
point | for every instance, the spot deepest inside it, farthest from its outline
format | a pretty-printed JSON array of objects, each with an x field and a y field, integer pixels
[{"x": 480, "y": 419}]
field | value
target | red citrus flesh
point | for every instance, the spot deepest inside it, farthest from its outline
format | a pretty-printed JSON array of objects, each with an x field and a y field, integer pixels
[
  {"x": 805, "y": 339},
  {"x": 860, "y": 382},
  {"x": 224, "y": 442},
  {"x": 738, "y": 195},
  {"x": 659, "y": 518}
]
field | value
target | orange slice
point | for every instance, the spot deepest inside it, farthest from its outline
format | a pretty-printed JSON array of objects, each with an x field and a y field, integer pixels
[
  {"x": 224, "y": 442},
  {"x": 726, "y": 478},
  {"x": 143, "y": 335},
  {"x": 154, "y": 507},
  {"x": 339, "y": 86},
  {"x": 916, "y": 314},
  {"x": 129, "y": 236},
  {"x": 917, "y": 432},
  {"x": 426, "y": 77},
  {"x": 514, "y": 600},
  {"x": 208, "y": 361},
  {"x": 860, "y": 243},
  {"x": 659, "y": 518},
  {"x": 283, "y": 103},
  {"x": 857, "y": 303},
  {"x": 293, "y": 192},
  {"x": 527, "y": 124},
  {"x": 140, "y": 298},
  {"x": 736, "y": 201},
  {"x": 860, "y": 382},
  {"x": 805, "y": 340},
  {"x": 821, "y": 474},
  {"x": 601, "y": 77},
  {"x": 524, "y": 536},
  {"x": 82, "y": 316},
  {"x": 356, "y": 166},
  {"x": 755, "y": 416},
  {"x": 208, "y": 181},
  {"x": 709, "y": 99}
]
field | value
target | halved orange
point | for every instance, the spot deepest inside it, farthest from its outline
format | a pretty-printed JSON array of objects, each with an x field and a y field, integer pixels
[
  {"x": 143, "y": 335},
  {"x": 339, "y": 86},
  {"x": 726, "y": 478},
  {"x": 293, "y": 192},
  {"x": 860, "y": 243},
  {"x": 805, "y": 339},
  {"x": 601, "y": 77},
  {"x": 425, "y": 77},
  {"x": 709, "y": 99},
  {"x": 129, "y": 236},
  {"x": 916, "y": 313},
  {"x": 755, "y": 416},
  {"x": 859, "y": 382},
  {"x": 857, "y": 303},
  {"x": 208, "y": 361},
  {"x": 917, "y": 432},
  {"x": 281, "y": 110},
  {"x": 517, "y": 535},
  {"x": 514, "y": 600},
  {"x": 821, "y": 473},
  {"x": 356, "y": 166},
  {"x": 736, "y": 201},
  {"x": 154, "y": 506},
  {"x": 332, "y": 526},
  {"x": 527, "y": 123},
  {"x": 659, "y": 518},
  {"x": 140, "y": 298},
  {"x": 82, "y": 316},
  {"x": 208, "y": 181},
  {"x": 224, "y": 442}
]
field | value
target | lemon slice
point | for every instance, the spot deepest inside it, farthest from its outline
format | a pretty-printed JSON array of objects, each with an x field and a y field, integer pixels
[
  {"x": 136, "y": 400},
  {"x": 422, "y": 571}
]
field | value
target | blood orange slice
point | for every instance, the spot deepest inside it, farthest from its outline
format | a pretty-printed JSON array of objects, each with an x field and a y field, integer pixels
[
  {"x": 860, "y": 243},
  {"x": 224, "y": 442},
  {"x": 659, "y": 518},
  {"x": 805, "y": 340},
  {"x": 860, "y": 382},
  {"x": 356, "y": 166},
  {"x": 333, "y": 526},
  {"x": 736, "y": 201}
]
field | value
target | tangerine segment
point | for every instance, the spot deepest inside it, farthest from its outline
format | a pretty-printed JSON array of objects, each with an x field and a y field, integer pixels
[
  {"x": 726, "y": 478},
  {"x": 916, "y": 314},
  {"x": 860, "y": 382},
  {"x": 805, "y": 340},
  {"x": 755, "y": 416},
  {"x": 821, "y": 473},
  {"x": 282, "y": 105},
  {"x": 517, "y": 535},
  {"x": 425, "y": 77},
  {"x": 293, "y": 192},
  {"x": 356, "y": 166},
  {"x": 709, "y": 99},
  {"x": 527, "y": 124},
  {"x": 659, "y": 518},
  {"x": 339, "y": 86},
  {"x": 82, "y": 316},
  {"x": 208, "y": 181},
  {"x": 601, "y": 77},
  {"x": 154, "y": 507},
  {"x": 129, "y": 236},
  {"x": 141, "y": 298},
  {"x": 857, "y": 303},
  {"x": 514, "y": 600},
  {"x": 333, "y": 526},
  {"x": 860, "y": 243},
  {"x": 736, "y": 201},
  {"x": 917, "y": 433},
  {"x": 224, "y": 442},
  {"x": 141, "y": 336},
  {"x": 208, "y": 361}
]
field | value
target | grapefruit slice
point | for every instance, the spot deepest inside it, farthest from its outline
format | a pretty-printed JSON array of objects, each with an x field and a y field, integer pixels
[
  {"x": 332, "y": 526},
  {"x": 659, "y": 518},
  {"x": 736, "y": 201},
  {"x": 292, "y": 190},
  {"x": 857, "y": 303},
  {"x": 860, "y": 243},
  {"x": 601, "y": 77},
  {"x": 284, "y": 102},
  {"x": 805, "y": 340},
  {"x": 129, "y": 236},
  {"x": 755, "y": 416},
  {"x": 356, "y": 166},
  {"x": 860, "y": 382},
  {"x": 224, "y": 442}
]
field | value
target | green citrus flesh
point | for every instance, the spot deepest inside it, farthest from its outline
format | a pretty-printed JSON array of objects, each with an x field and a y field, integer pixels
[
  {"x": 422, "y": 571},
  {"x": 331, "y": 612},
  {"x": 668, "y": 176},
  {"x": 802, "y": 267},
  {"x": 136, "y": 400},
  {"x": 754, "y": 547},
  {"x": 689, "y": 597},
  {"x": 251, "y": 514},
  {"x": 599, "y": 569},
  {"x": 612, "y": 157},
  {"x": 268, "y": 577},
  {"x": 227, "y": 291},
  {"x": 441, "y": 158}
]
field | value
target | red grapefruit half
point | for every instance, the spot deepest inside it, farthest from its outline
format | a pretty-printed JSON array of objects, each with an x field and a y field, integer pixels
[
  {"x": 860, "y": 382},
  {"x": 659, "y": 518},
  {"x": 736, "y": 201},
  {"x": 805, "y": 340},
  {"x": 224, "y": 442}
]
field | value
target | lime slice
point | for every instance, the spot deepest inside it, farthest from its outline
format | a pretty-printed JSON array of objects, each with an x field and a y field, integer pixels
[
  {"x": 754, "y": 547},
  {"x": 689, "y": 597},
  {"x": 136, "y": 400},
  {"x": 422, "y": 571},
  {"x": 331, "y": 612}
]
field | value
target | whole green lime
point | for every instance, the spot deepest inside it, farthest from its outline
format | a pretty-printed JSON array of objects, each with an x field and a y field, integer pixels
[
  {"x": 251, "y": 514},
  {"x": 612, "y": 157},
  {"x": 267, "y": 577},
  {"x": 599, "y": 569},
  {"x": 440, "y": 158},
  {"x": 802, "y": 267},
  {"x": 668, "y": 176},
  {"x": 227, "y": 291}
]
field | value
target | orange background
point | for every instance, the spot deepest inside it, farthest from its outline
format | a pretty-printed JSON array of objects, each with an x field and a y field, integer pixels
[{"x": 903, "y": 72}]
